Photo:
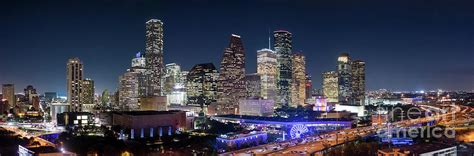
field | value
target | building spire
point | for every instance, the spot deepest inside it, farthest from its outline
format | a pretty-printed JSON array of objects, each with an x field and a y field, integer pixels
[{"x": 269, "y": 41}]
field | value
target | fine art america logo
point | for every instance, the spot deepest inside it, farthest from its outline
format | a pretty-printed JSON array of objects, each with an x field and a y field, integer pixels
[{"x": 417, "y": 122}]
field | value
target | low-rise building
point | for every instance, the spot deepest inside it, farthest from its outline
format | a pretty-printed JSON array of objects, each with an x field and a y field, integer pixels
[
  {"x": 236, "y": 141},
  {"x": 154, "y": 103},
  {"x": 42, "y": 151},
  {"x": 58, "y": 108},
  {"x": 256, "y": 107},
  {"x": 73, "y": 119},
  {"x": 140, "y": 124}
]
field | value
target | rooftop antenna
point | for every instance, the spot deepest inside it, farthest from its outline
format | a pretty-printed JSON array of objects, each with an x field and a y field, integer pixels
[{"x": 269, "y": 41}]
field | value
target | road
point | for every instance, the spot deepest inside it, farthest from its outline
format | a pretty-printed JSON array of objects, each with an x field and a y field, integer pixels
[
  {"x": 315, "y": 143},
  {"x": 22, "y": 133}
]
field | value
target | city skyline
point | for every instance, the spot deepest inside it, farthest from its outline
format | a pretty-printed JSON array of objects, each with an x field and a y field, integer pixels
[{"x": 321, "y": 51}]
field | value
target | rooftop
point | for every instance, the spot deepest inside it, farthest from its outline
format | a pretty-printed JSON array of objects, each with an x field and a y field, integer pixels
[
  {"x": 281, "y": 31},
  {"x": 137, "y": 113},
  {"x": 276, "y": 119}
]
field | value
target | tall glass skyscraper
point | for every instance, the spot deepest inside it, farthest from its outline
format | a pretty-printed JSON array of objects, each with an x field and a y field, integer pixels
[
  {"x": 74, "y": 88},
  {"x": 154, "y": 55},
  {"x": 202, "y": 83},
  {"x": 88, "y": 91},
  {"x": 267, "y": 69},
  {"x": 298, "y": 92},
  {"x": 331, "y": 86},
  {"x": 231, "y": 85},
  {"x": 8, "y": 93},
  {"x": 282, "y": 46},
  {"x": 171, "y": 78},
  {"x": 344, "y": 72},
  {"x": 133, "y": 84},
  {"x": 358, "y": 81}
]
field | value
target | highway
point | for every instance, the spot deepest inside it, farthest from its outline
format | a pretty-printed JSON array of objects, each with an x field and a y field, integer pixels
[
  {"x": 315, "y": 143},
  {"x": 22, "y": 133}
]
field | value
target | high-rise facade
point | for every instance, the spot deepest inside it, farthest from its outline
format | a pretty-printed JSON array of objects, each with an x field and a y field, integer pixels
[
  {"x": 331, "y": 86},
  {"x": 358, "y": 81},
  {"x": 171, "y": 78},
  {"x": 308, "y": 86},
  {"x": 30, "y": 93},
  {"x": 128, "y": 91},
  {"x": 267, "y": 69},
  {"x": 231, "y": 85},
  {"x": 202, "y": 83},
  {"x": 154, "y": 55},
  {"x": 283, "y": 47},
  {"x": 133, "y": 84},
  {"x": 174, "y": 88},
  {"x": 298, "y": 86},
  {"x": 74, "y": 88},
  {"x": 141, "y": 73},
  {"x": 88, "y": 91},
  {"x": 8, "y": 92},
  {"x": 252, "y": 85},
  {"x": 344, "y": 72}
]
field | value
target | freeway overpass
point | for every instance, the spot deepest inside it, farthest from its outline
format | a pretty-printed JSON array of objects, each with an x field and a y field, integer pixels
[{"x": 315, "y": 143}]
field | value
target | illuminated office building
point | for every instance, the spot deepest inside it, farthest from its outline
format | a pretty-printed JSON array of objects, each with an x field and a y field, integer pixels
[
  {"x": 88, "y": 91},
  {"x": 308, "y": 86},
  {"x": 30, "y": 93},
  {"x": 154, "y": 55},
  {"x": 8, "y": 93},
  {"x": 128, "y": 91},
  {"x": 283, "y": 47},
  {"x": 174, "y": 85},
  {"x": 344, "y": 72},
  {"x": 252, "y": 85},
  {"x": 267, "y": 69},
  {"x": 133, "y": 84},
  {"x": 231, "y": 85},
  {"x": 74, "y": 88},
  {"x": 330, "y": 86},
  {"x": 171, "y": 78},
  {"x": 358, "y": 81},
  {"x": 202, "y": 82},
  {"x": 298, "y": 86}
]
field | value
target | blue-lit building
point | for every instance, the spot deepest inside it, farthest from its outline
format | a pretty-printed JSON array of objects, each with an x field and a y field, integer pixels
[
  {"x": 236, "y": 141},
  {"x": 291, "y": 128}
]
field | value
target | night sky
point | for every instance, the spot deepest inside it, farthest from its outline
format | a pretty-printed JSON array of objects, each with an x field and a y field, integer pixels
[{"x": 408, "y": 45}]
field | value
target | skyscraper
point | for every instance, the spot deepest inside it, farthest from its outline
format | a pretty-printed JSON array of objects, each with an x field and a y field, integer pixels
[
  {"x": 174, "y": 85},
  {"x": 267, "y": 68},
  {"x": 88, "y": 91},
  {"x": 298, "y": 86},
  {"x": 202, "y": 82},
  {"x": 171, "y": 78},
  {"x": 231, "y": 85},
  {"x": 330, "y": 86},
  {"x": 139, "y": 67},
  {"x": 308, "y": 86},
  {"x": 8, "y": 92},
  {"x": 128, "y": 91},
  {"x": 344, "y": 72},
  {"x": 358, "y": 81},
  {"x": 74, "y": 78},
  {"x": 252, "y": 85},
  {"x": 283, "y": 49},
  {"x": 30, "y": 93},
  {"x": 154, "y": 55},
  {"x": 133, "y": 84}
]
